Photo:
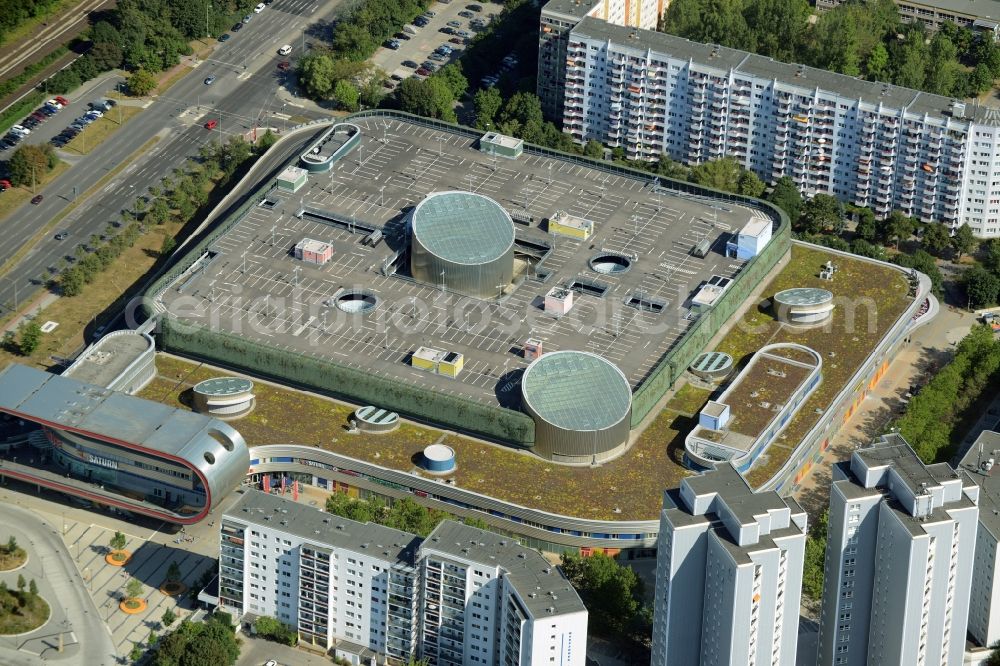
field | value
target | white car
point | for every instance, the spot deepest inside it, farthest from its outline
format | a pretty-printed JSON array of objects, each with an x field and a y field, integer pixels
[
  {"x": 20, "y": 130},
  {"x": 95, "y": 113},
  {"x": 285, "y": 50},
  {"x": 54, "y": 103},
  {"x": 259, "y": 8}
]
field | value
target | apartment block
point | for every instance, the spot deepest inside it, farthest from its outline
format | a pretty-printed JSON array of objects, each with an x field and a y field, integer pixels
[
  {"x": 980, "y": 463},
  {"x": 558, "y": 17},
  {"x": 728, "y": 574},
  {"x": 900, "y": 551},
  {"x": 980, "y": 16},
  {"x": 487, "y": 600},
  {"x": 866, "y": 143},
  {"x": 367, "y": 592}
]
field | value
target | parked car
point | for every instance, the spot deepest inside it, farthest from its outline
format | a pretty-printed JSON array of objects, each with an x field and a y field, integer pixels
[
  {"x": 429, "y": 14},
  {"x": 457, "y": 40},
  {"x": 455, "y": 24},
  {"x": 224, "y": 37},
  {"x": 95, "y": 113},
  {"x": 62, "y": 100},
  {"x": 423, "y": 71},
  {"x": 474, "y": 8},
  {"x": 410, "y": 64},
  {"x": 391, "y": 44},
  {"x": 285, "y": 50},
  {"x": 237, "y": 27},
  {"x": 420, "y": 22},
  {"x": 5, "y": 184},
  {"x": 54, "y": 103},
  {"x": 401, "y": 35},
  {"x": 211, "y": 124},
  {"x": 210, "y": 80},
  {"x": 37, "y": 199},
  {"x": 246, "y": 19},
  {"x": 438, "y": 56},
  {"x": 396, "y": 77},
  {"x": 284, "y": 65},
  {"x": 259, "y": 8},
  {"x": 466, "y": 14},
  {"x": 20, "y": 130},
  {"x": 464, "y": 33},
  {"x": 448, "y": 31}
]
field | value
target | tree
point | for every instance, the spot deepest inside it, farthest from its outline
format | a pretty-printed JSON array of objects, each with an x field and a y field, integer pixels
[
  {"x": 173, "y": 572},
  {"x": 21, "y": 582},
  {"x": 133, "y": 589},
  {"x": 265, "y": 141},
  {"x": 141, "y": 83},
  {"x": 29, "y": 163},
  {"x": 453, "y": 77},
  {"x": 785, "y": 196},
  {"x": 594, "y": 149},
  {"x": 812, "y": 569},
  {"x": 935, "y": 238},
  {"x": 346, "y": 95},
  {"x": 821, "y": 213},
  {"x": 487, "y": 102},
  {"x": 963, "y": 241},
  {"x": 168, "y": 617},
  {"x": 612, "y": 593},
  {"x": 11, "y": 546},
  {"x": 476, "y": 522},
  {"x": 31, "y": 337},
  {"x": 167, "y": 246},
  {"x": 71, "y": 282},
  {"x": 118, "y": 541},
  {"x": 136, "y": 653},
  {"x": 991, "y": 255},
  {"x": 863, "y": 248},
  {"x": 723, "y": 174},
  {"x": 750, "y": 185},
  {"x": 33, "y": 588},
  {"x": 897, "y": 227},
  {"x": 877, "y": 64},
  {"x": 865, "y": 228},
  {"x": 431, "y": 98},
  {"x": 981, "y": 287}
]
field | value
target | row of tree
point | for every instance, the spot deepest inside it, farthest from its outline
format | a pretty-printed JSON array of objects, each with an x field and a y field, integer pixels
[
  {"x": 404, "y": 514},
  {"x": 28, "y": 164},
  {"x": 944, "y": 408},
  {"x": 15, "y": 603},
  {"x": 176, "y": 199},
  {"x": 855, "y": 38},
  {"x": 812, "y": 568},
  {"x": 16, "y": 13},
  {"x": 209, "y": 643},
  {"x": 148, "y": 35}
]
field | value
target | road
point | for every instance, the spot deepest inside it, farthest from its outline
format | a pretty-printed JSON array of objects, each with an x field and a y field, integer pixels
[
  {"x": 236, "y": 98},
  {"x": 86, "y": 639}
]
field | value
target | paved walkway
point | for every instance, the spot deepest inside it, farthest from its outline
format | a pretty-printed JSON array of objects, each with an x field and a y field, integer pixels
[{"x": 930, "y": 347}]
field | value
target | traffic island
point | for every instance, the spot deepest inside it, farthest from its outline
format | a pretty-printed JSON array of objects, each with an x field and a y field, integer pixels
[
  {"x": 22, "y": 611},
  {"x": 118, "y": 558}
]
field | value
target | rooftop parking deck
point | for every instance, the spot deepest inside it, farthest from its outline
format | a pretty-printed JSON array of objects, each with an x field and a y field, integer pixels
[{"x": 253, "y": 286}]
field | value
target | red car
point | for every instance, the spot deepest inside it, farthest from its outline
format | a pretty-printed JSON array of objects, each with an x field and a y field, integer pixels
[
  {"x": 457, "y": 40},
  {"x": 5, "y": 185},
  {"x": 284, "y": 65},
  {"x": 423, "y": 71},
  {"x": 37, "y": 199},
  {"x": 211, "y": 124},
  {"x": 62, "y": 100}
]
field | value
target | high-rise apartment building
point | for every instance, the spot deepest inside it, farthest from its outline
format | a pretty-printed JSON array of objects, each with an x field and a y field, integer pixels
[
  {"x": 558, "y": 17},
  {"x": 728, "y": 574},
  {"x": 980, "y": 463},
  {"x": 979, "y": 16},
  {"x": 462, "y": 596},
  {"x": 866, "y": 143},
  {"x": 487, "y": 600},
  {"x": 898, "y": 570}
]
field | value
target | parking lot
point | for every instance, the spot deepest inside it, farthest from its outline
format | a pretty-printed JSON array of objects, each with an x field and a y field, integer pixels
[
  {"x": 421, "y": 45},
  {"x": 252, "y": 285}
]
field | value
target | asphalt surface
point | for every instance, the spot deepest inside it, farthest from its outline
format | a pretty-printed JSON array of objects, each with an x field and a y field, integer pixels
[
  {"x": 236, "y": 99},
  {"x": 86, "y": 639}
]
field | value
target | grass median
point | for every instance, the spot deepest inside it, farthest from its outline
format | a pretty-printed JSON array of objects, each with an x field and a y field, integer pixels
[
  {"x": 16, "y": 197},
  {"x": 97, "y": 132}
]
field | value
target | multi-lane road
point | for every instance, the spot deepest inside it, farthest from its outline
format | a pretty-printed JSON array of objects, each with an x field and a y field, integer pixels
[{"x": 247, "y": 89}]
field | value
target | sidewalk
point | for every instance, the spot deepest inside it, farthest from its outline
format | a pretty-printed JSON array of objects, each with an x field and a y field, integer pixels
[{"x": 930, "y": 347}]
